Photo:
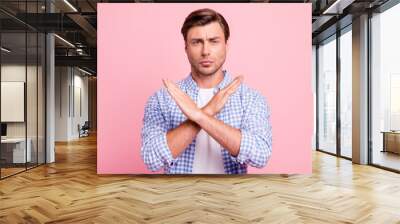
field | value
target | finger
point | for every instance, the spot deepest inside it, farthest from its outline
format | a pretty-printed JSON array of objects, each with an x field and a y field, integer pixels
[
  {"x": 176, "y": 89},
  {"x": 236, "y": 81},
  {"x": 171, "y": 90},
  {"x": 171, "y": 93},
  {"x": 167, "y": 83},
  {"x": 177, "y": 93},
  {"x": 164, "y": 83},
  {"x": 233, "y": 87},
  {"x": 239, "y": 80},
  {"x": 236, "y": 85}
]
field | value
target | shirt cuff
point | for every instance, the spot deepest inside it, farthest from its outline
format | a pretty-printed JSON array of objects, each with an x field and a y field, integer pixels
[
  {"x": 246, "y": 144},
  {"x": 166, "y": 153}
]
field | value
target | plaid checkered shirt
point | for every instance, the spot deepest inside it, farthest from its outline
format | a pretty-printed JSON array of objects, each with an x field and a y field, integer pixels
[{"x": 246, "y": 109}]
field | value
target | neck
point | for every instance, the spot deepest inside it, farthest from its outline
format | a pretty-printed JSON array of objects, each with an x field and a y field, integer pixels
[{"x": 208, "y": 81}]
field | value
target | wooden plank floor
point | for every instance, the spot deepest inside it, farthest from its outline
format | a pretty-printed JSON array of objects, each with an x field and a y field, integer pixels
[{"x": 70, "y": 191}]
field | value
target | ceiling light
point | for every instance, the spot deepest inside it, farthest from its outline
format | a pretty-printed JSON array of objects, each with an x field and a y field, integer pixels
[
  {"x": 337, "y": 7},
  {"x": 70, "y": 5},
  {"x": 64, "y": 40},
  {"x": 5, "y": 50},
  {"x": 86, "y": 72}
]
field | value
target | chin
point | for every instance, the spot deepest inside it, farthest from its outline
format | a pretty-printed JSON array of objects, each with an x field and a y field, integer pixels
[{"x": 207, "y": 72}]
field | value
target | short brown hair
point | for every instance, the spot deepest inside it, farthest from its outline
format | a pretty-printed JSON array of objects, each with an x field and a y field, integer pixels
[{"x": 203, "y": 17}]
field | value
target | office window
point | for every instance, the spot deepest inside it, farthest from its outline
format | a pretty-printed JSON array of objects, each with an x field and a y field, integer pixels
[
  {"x": 385, "y": 81},
  {"x": 346, "y": 92},
  {"x": 327, "y": 95}
]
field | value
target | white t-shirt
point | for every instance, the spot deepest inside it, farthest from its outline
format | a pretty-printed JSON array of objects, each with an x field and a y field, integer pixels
[{"x": 208, "y": 154}]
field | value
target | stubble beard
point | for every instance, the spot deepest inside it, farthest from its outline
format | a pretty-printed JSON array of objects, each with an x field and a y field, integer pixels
[{"x": 206, "y": 74}]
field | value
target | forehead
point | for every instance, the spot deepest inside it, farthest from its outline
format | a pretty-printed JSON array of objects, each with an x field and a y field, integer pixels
[{"x": 210, "y": 30}]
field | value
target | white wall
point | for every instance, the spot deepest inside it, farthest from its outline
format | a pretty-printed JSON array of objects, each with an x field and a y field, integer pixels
[
  {"x": 15, "y": 72},
  {"x": 80, "y": 83},
  {"x": 62, "y": 81},
  {"x": 33, "y": 127},
  {"x": 70, "y": 83}
]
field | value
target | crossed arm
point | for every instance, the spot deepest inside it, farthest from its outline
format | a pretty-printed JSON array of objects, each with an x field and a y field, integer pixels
[
  {"x": 251, "y": 144},
  {"x": 203, "y": 118}
]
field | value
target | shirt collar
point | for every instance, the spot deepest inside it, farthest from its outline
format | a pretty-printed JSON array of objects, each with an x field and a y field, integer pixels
[{"x": 192, "y": 85}]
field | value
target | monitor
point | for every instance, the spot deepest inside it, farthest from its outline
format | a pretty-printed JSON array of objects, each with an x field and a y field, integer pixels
[{"x": 3, "y": 129}]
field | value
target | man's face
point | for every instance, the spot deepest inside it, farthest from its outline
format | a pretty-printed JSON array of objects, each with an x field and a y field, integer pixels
[{"x": 206, "y": 48}]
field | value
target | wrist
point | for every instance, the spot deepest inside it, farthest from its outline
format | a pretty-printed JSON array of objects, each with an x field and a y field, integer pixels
[
  {"x": 208, "y": 111},
  {"x": 199, "y": 116}
]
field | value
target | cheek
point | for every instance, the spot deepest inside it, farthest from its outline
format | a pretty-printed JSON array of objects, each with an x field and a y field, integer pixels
[
  {"x": 189, "y": 54},
  {"x": 221, "y": 52},
  {"x": 192, "y": 53}
]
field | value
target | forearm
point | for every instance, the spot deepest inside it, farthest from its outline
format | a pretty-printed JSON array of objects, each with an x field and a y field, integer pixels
[
  {"x": 227, "y": 136},
  {"x": 180, "y": 137}
]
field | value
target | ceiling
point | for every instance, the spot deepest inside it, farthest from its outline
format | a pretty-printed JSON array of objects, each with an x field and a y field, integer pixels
[{"x": 76, "y": 22}]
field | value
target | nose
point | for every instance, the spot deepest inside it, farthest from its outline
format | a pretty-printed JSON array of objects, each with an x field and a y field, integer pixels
[{"x": 206, "y": 49}]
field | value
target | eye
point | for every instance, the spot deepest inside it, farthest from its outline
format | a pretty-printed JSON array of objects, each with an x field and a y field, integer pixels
[
  {"x": 214, "y": 41},
  {"x": 194, "y": 42}
]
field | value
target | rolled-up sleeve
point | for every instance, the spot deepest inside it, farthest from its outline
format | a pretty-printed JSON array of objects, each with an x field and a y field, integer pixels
[
  {"x": 155, "y": 151},
  {"x": 256, "y": 140}
]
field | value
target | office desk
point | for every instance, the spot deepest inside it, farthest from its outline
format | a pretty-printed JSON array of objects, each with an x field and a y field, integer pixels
[
  {"x": 15, "y": 148},
  {"x": 391, "y": 141}
]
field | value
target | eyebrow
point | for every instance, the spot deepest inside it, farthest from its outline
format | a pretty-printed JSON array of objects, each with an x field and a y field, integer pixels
[{"x": 200, "y": 39}]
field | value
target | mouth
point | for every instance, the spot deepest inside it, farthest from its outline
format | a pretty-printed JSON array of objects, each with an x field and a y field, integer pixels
[{"x": 206, "y": 63}]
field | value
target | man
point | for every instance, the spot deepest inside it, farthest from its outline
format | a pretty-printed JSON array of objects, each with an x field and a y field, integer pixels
[{"x": 207, "y": 123}]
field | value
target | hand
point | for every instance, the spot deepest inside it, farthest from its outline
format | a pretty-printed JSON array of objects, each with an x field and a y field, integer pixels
[
  {"x": 184, "y": 102},
  {"x": 218, "y": 101}
]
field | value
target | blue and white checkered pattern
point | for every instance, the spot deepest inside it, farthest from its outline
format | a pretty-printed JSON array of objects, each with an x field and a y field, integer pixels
[{"x": 246, "y": 109}]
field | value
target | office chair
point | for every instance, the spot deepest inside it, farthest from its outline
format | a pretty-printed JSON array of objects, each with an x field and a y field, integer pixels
[{"x": 84, "y": 130}]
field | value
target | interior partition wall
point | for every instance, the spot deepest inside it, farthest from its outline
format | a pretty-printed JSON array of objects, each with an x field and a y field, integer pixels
[{"x": 22, "y": 89}]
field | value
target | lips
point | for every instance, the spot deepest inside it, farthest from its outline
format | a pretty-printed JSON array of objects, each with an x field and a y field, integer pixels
[{"x": 206, "y": 63}]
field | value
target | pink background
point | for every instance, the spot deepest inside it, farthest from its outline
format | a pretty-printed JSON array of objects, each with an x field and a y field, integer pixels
[{"x": 139, "y": 44}]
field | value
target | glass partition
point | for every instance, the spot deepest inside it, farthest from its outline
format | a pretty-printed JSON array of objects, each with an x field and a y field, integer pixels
[
  {"x": 13, "y": 104},
  {"x": 327, "y": 95},
  {"x": 22, "y": 77}
]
